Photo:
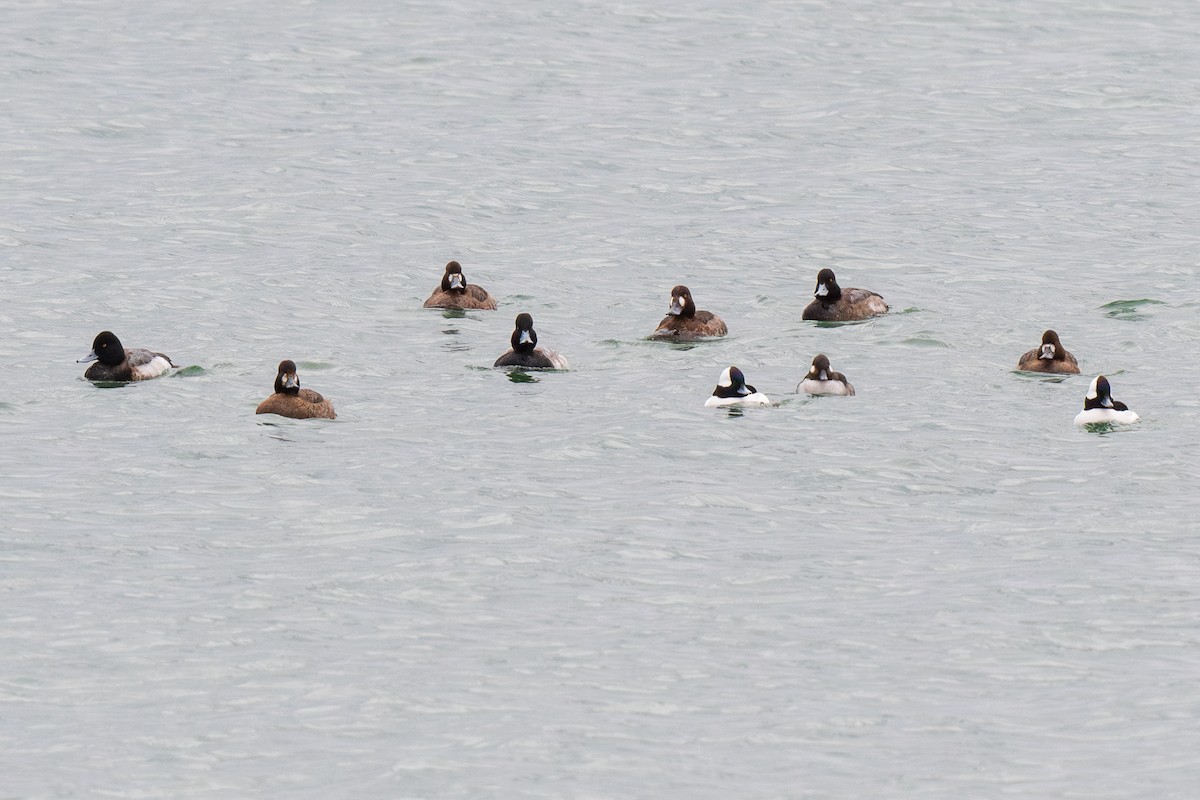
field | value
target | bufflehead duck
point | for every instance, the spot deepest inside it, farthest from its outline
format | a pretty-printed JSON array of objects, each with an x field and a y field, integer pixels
[
  {"x": 1099, "y": 406},
  {"x": 525, "y": 352},
  {"x": 1050, "y": 356},
  {"x": 455, "y": 292},
  {"x": 684, "y": 323},
  {"x": 290, "y": 400},
  {"x": 732, "y": 390},
  {"x": 835, "y": 304},
  {"x": 821, "y": 379},
  {"x": 118, "y": 364}
]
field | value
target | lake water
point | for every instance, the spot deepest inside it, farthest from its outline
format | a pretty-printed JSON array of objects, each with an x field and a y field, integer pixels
[{"x": 586, "y": 584}]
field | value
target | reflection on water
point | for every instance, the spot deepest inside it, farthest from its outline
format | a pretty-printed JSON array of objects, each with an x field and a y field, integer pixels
[
  {"x": 1129, "y": 310},
  {"x": 521, "y": 376}
]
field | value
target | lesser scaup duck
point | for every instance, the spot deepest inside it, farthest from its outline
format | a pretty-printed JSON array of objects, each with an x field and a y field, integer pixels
[
  {"x": 821, "y": 379},
  {"x": 525, "y": 352},
  {"x": 118, "y": 364},
  {"x": 455, "y": 292},
  {"x": 1050, "y": 356},
  {"x": 290, "y": 400},
  {"x": 684, "y": 323},
  {"x": 732, "y": 390},
  {"x": 835, "y": 304},
  {"x": 1099, "y": 406}
]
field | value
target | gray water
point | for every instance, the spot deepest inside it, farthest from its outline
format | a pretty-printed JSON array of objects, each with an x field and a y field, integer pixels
[{"x": 585, "y": 584}]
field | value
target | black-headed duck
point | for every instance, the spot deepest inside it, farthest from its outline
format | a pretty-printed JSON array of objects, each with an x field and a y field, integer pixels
[
  {"x": 525, "y": 352},
  {"x": 832, "y": 303},
  {"x": 115, "y": 363},
  {"x": 1099, "y": 406},
  {"x": 732, "y": 390}
]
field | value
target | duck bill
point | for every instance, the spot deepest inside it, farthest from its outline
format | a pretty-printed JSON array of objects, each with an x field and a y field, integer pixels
[
  {"x": 525, "y": 338},
  {"x": 1047, "y": 352},
  {"x": 676, "y": 307},
  {"x": 456, "y": 281},
  {"x": 824, "y": 376},
  {"x": 822, "y": 290},
  {"x": 88, "y": 358},
  {"x": 290, "y": 381}
]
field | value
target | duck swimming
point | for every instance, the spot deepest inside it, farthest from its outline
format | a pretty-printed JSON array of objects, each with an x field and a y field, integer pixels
[
  {"x": 1099, "y": 406},
  {"x": 290, "y": 400},
  {"x": 115, "y": 363},
  {"x": 684, "y": 323},
  {"x": 821, "y": 379},
  {"x": 1050, "y": 356},
  {"x": 732, "y": 390},
  {"x": 455, "y": 292},
  {"x": 525, "y": 352},
  {"x": 832, "y": 303}
]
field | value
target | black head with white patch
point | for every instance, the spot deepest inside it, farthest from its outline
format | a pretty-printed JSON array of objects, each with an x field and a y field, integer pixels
[
  {"x": 524, "y": 337},
  {"x": 732, "y": 383},
  {"x": 1100, "y": 396},
  {"x": 286, "y": 379},
  {"x": 681, "y": 302},
  {"x": 454, "y": 280},
  {"x": 106, "y": 348},
  {"x": 827, "y": 290}
]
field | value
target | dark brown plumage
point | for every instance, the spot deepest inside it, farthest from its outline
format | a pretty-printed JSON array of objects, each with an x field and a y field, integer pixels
[
  {"x": 290, "y": 400},
  {"x": 1049, "y": 356},
  {"x": 455, "y": 292},
  {"x": 684, "y": 323},
  {"x": 832, "y": 303}
]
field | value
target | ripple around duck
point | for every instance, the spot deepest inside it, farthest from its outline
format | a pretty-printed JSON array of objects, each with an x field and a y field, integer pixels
[
  {"x": 1130, "y": 310},
  {"x": 926, "y": 340}
]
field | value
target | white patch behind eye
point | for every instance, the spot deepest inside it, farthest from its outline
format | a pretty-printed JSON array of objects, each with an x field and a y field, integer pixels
[
  {"x": 725, "y": 379},
  {"x": 1092, "y": 394}
]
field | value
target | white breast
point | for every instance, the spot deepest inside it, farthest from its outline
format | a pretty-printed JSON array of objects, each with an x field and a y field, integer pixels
[
  {"x": 1094, "y": 416},
  {"x": 756, "y": 399},
  {"x": 814, "y": 386}
]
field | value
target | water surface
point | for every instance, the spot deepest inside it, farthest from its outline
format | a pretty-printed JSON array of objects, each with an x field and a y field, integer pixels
[{"x": 586, "y": 584}]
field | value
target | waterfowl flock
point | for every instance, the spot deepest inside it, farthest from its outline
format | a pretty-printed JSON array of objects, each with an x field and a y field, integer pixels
[{"x": 683, "y": 323}]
